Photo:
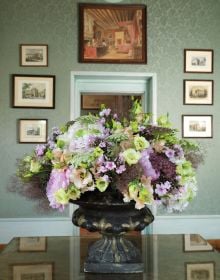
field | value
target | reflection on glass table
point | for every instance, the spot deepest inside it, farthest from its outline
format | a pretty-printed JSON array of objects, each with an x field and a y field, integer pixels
[{"x": 165, "y": 257}]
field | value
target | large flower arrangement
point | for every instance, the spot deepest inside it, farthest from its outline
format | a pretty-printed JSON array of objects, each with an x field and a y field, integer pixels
[{"x": 145, "y": 163}]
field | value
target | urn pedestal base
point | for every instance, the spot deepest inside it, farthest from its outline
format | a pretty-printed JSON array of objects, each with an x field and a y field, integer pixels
[
  {"x": 112, "y": 218},
  {"x": 113, "y": 254}
]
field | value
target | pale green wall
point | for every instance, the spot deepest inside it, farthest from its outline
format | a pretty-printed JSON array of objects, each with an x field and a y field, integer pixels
[{"x": 172, "y": 26}]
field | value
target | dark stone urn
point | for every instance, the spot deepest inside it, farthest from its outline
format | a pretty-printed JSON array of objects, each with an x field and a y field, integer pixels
[{"x": 112, "y": 218}]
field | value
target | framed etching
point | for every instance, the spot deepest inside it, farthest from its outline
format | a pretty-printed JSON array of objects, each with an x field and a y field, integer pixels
[
  {"x": 197, "y": 126},
  {"x": 32, "y": 130},
  {"x": 34, "y": 91},
  {"x": 34, "y": 55},
  {"x": 32, "y": 244},
  {"x": 204, "y": 271},
  {"x": 198, "y": 61},
  {"x": 32, "y": 271},
  {"x": 195, "y": 243},
  {"x": 198, "y": 92},
  {"x": 112, "y": 33}
]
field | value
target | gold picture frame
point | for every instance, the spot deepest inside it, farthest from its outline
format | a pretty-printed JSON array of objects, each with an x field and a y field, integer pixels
[{"x": 111, "y": 33}]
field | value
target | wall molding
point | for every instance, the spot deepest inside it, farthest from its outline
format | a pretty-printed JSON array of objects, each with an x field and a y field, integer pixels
[
  {"x": 205, "y": 225},
  {"x": 24, "y": 227}
]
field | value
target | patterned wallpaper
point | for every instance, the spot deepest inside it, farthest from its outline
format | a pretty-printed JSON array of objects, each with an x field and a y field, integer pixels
[{"x": 172, "y": 25}]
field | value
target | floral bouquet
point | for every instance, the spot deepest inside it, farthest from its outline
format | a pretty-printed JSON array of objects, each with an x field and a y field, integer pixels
[{"x": 143, "y": 162}]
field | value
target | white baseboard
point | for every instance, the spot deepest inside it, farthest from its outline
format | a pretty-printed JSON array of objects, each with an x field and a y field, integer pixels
[
  {"x": 24, "y": 227},
  {"x": 207, "y": 226}
]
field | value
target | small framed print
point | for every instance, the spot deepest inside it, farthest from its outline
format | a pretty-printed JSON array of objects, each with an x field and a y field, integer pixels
[
  {"x": 32, "y": 130},
  {"x": 198, "y": 61},
  {"x": 198, "y": 92},
  {"x": 204, "y": 271},
  {"x": 32, "y": 244},
  {"x": 32, "y": 271},
  {"x": 33, "y": 91},
  {"x": 195, "y": 243},
  {"x": 34, "y": 55},
  {"x": 112, "y": 33},
  {"x": 197, "y": 126}
]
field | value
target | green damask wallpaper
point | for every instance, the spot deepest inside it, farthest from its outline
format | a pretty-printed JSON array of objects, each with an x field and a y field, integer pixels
[{"x": 172, "y": 25}]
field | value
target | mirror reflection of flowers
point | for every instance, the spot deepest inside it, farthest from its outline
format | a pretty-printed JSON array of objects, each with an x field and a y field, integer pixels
[{"x": 146, "y": 163}]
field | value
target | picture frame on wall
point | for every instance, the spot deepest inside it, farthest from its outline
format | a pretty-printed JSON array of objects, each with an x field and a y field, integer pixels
[
  {"x": 111, "y": 33},
  {"x": 34, "y": 55},
  {"x": 197, "y": 126},
  {"x": 33, "y": 91},
  {"x": 203, "y": 270},
  {"x": 198, "y": 60},
  {"x": 32, "y": 271},
  {"x": 198, "y": 92},
  {"x": 32, "y": 130},
  {"x": 195, "y": 243},
  {"x": 32, "y": 244}
]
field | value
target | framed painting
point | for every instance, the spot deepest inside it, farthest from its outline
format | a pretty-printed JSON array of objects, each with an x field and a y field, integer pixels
[
  {"x": 32, "y": 271},
  {"x": 204, "y": 271},
  {"x": 197, "y": 126},
  {"x": 198, "y": 92},
  {"x": 111, "y": 33},
  {"x": 34, "y": 55},
  {"x": 195, "y": 243},
  {"x": 32, "y": 244},
  {"x": 32, "y": 130},
  {"x": 33, "y": 91},
  {"x": 198, "y": 61}
]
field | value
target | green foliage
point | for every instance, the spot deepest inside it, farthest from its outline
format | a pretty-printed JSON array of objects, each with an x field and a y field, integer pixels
[{"x": 117, "y": 138}]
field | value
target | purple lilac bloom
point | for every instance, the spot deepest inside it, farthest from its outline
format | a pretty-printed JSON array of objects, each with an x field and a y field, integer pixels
[
  {"x": 40, "y": 149},
  {"x": 179, "y": 150},
  {"x": 161, "y": 189},
  {"x": 102, "y": 144},
  {"x": 170, "y": 153},
  {"x": 120, "y": 169},
  {"x": 51, "y": 143},
  {"x": 110, "y": 165},
  {"x": 145, "y": 163},
  {"x": 58, "y": 179},
  {"x": 102, "y": 169},
  {"x": 115, "y": 116},
  {"x": 100, "y": 160},
  {"x": 105, "y": 112}
]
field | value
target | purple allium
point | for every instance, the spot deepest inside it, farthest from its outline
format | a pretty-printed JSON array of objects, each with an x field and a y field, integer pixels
[
  {"x": 40, "y": 149},
  {"x": 164, "y": 166}
]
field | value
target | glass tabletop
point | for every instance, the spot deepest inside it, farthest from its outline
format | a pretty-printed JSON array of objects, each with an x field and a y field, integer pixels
[{"x": 165, "y": 257}]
